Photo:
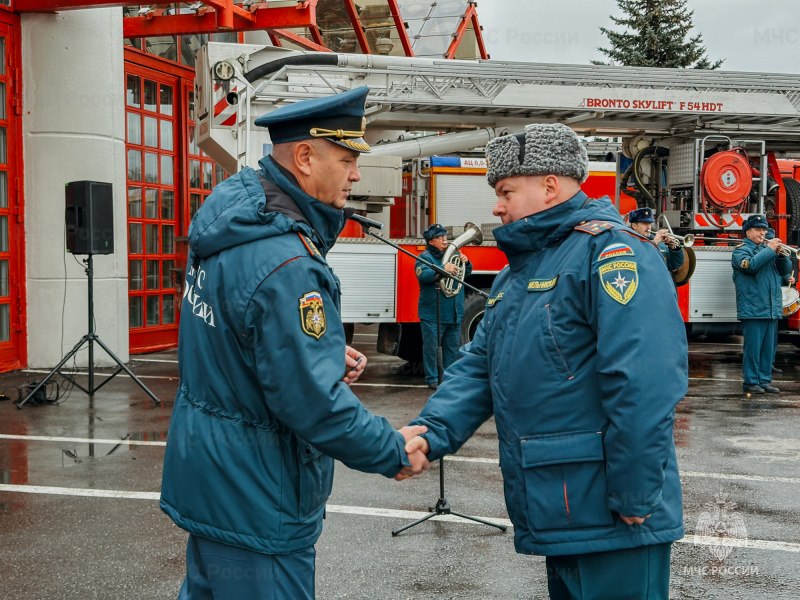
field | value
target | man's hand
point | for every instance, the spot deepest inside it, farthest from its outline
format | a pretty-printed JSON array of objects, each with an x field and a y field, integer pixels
[
  {"x": 791, "y": 281},
  {"x": 660, "y": 236},
  {"x": 464, "y": 257},
  {"x": 633, "y": 520},
  {"x": 355, "y": 363},
  {"x": 774, "y": 244},
  {"x": 419, "y": 462},
  {"x": 450, "y": 268}
]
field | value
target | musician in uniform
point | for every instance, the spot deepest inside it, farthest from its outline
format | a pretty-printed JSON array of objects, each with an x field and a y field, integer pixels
[
  {"x": 564, "y": 361},
  {"x": 788, "y": 280},
  {"x": 451, "y": 309},
  {"x": 263, "y": 407},
  {"x": 757, "y": 272},
  {"x": 641, "y": 220}
]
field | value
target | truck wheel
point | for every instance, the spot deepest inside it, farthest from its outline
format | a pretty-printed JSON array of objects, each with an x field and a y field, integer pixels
[
  {"x": 792, "y": 202},
  {"x": 410, "y": 346},
  {"x": 474, "y": 307}
]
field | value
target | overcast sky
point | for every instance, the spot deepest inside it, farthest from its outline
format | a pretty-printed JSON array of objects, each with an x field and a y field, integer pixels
[{"x": 752, "y": 35}]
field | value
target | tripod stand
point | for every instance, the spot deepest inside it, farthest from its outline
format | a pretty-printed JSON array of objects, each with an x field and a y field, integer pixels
[
  {"x": 89, "y": 338},
  {"x": 442, "y": 505}
]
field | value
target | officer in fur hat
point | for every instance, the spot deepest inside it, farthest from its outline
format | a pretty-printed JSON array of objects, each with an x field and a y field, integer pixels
[
  {"x": 564, "y": 361},
  {"x": 757, "y": 272},
  {"x": 448, "y": 324},
  {"x": 263, "y": 407}
]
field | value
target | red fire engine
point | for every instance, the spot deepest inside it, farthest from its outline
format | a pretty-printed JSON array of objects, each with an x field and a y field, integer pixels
[{"x": 703, "y": 148}]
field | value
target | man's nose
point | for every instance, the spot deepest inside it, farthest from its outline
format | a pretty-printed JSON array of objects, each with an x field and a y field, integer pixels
[
  {"x": 498, "y": 209},
  {"x": 355, "y": 174}
]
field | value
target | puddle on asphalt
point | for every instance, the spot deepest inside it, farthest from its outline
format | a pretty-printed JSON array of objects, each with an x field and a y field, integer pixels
[{"x": 769, "y": 448}]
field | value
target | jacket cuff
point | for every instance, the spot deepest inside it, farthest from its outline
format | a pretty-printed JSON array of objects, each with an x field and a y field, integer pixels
[{"x": 634, "y": 510}]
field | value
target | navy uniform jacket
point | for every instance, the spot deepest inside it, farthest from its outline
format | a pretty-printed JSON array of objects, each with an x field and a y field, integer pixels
[
  {"x": 757, "y": 272},
  {"x": 450, "y": 309},
  {"x": 583, "y": 400},
  {"x": 261, "y": 409},
  {"x": 673, "y": 258}
]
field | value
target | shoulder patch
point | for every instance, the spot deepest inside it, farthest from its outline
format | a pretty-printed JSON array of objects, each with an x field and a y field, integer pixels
[
  {"x": 312, "y": 315},
  {"x": 614, "y": 251},
  {"x": 745, "y": 264},
  {"x": 418, "y": 271},
  {"x": 312, "y": 249},
  {"x": 542, "y": 285},
  {"x": 619, "y": 279},
  {"x": 594, "y": 227}
]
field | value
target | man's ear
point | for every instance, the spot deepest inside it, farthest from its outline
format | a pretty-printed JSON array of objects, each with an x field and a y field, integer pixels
[
  {"x": 303, "y": 156},
  {"x": 552, "y": 188}
]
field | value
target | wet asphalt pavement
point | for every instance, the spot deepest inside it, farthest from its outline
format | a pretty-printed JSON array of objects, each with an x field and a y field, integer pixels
[{"x": 79, "y": 515}]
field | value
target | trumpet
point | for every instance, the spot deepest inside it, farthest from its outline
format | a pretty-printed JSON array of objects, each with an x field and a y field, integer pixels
[
  {"x": 784, "y": 250},
  {"x": 684, "y": 240}
]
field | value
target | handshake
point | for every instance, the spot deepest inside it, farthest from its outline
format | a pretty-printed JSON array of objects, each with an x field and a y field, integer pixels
[{"x": 417, "y": 449}]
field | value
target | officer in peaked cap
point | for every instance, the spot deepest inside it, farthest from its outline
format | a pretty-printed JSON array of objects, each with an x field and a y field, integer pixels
[
  {"x": 757, "y": 273},
  {"x": 264, "y": 406},
  {"x": 641, "y": 221},
  {"x": 451, "y": 309},
  {"x": 339, "y": 119}
]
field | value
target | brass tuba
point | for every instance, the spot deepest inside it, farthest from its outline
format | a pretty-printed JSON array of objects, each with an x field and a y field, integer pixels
[{"x": 472, "y": 235}]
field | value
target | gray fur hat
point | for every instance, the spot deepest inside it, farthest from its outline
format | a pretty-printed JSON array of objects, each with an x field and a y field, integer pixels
[{"x": 542, "y": 150}]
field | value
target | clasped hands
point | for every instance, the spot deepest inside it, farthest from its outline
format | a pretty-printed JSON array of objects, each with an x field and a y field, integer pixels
[{"x": 417, "y": 448}]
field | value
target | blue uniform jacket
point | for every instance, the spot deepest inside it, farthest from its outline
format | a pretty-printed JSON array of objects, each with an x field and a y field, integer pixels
[
  {"x": 261, "y": 409},
  {"x": 757, "y": 272},
  {"x": 451, "y": 309},
  {"x": 582, "y": 397},
  {"x": 673, "y": 258}
]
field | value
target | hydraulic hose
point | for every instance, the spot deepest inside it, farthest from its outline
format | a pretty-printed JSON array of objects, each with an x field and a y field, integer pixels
[{"x": 321, "y": 58}]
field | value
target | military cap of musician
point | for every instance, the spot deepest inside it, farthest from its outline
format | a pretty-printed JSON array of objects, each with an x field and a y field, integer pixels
[
  {"x": 641, "y": 215},
  {"x": 434, "y": 231},
  {"x": 755, "y": 221},
  {"x": 544, "y": 149},
  {"x": 338, "y": 118}
]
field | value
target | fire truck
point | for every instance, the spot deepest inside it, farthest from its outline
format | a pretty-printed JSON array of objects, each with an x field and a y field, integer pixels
[{"x": 705, "y": 149}]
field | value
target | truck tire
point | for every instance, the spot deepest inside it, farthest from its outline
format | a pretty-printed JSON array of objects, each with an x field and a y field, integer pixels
[
  {"x": 410, "y": 346},
  {"x": 792, "y": 202},
  {"x": 474, "y": 307}
]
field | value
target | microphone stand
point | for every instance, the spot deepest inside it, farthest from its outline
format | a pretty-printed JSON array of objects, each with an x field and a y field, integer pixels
[{"x": 442, "y": 505}]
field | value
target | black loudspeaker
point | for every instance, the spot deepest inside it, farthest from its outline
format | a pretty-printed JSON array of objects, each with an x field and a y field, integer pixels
[{"x": 89, "y": 217}]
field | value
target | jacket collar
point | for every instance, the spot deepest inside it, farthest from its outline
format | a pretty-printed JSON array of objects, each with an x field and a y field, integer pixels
[
  {"x": 535, "y": 232},
  {"x": 326, "y": 221},
  {"x": 435, "y": 252}
]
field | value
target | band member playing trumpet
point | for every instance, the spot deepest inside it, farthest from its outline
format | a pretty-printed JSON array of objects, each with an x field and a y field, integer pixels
[
  {"x": 786, "y": 280},
  {"x": 451, "y": 309},
  {"x": 757, "y": 272},
  {"x": 641, "y": 221}
]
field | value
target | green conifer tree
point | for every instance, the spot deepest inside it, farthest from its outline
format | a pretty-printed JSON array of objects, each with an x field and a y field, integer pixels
[{"x": 656, "y": 34}]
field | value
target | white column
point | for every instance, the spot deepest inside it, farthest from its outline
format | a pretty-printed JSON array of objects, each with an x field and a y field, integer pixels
[{"x": 73, "y": 129}]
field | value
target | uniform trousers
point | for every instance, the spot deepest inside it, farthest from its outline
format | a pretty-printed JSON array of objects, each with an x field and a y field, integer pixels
[
  {"x": 451, "y": 342},
  {"x": 634, "y": 574},
  {"x": 758, "y": 353},
  {"x": 216, "y": 571}
]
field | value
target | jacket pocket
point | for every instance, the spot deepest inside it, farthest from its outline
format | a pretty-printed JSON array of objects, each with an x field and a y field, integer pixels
[
  {"x": 551, "y": 346},
  {"x": 565, "y": 481},
  {"x": 316, "y": 478}
]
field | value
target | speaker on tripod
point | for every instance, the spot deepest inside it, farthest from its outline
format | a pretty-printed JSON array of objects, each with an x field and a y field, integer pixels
[{"x": 89, "y": 219}]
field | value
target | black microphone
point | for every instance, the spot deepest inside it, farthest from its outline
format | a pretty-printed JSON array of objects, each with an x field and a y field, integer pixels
[{"x": 365, "y": 222}]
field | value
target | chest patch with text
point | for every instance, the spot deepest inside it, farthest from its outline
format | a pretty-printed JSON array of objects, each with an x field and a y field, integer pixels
[{"x": 542, "y": 285}]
